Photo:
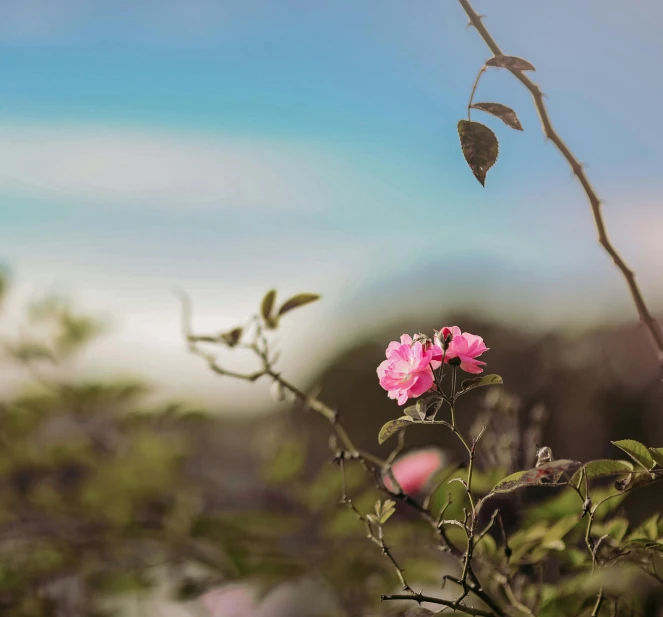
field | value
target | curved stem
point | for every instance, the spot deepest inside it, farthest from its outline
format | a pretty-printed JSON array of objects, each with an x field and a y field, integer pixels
[
  {"x": 474, "y": 89},
  {"x": 655, "y": 331}
]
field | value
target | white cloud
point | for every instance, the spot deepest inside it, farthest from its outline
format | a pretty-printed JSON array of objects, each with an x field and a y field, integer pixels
[{"x": 161, "y": 169}]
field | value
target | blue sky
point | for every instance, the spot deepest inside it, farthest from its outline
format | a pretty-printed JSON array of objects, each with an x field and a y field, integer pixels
[{"x": 227, "y": 147}]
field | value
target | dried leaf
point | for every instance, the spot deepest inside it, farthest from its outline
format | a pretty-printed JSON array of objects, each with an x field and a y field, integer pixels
[
  {"x": 268, "y": 304},
  {"x": 480, "y": 147},
  {"x": 392, "y": 427},
  {"x": 504, "y": 113},
  {"x": 547, "y": 473},
  {"x": 513, "y": 63},
  {"x": 232, "y": 337},
  {"x": 296, "y": 301}
]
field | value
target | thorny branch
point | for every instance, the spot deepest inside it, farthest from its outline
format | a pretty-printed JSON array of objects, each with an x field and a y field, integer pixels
[
  {"x": 376, "y": 466},
  {"x": 655, "y": 331}
]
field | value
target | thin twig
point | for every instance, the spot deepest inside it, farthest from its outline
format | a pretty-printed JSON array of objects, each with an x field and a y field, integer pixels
[
  {"x": 649, "y": 322},
  {"x": 419, "y": 598}
]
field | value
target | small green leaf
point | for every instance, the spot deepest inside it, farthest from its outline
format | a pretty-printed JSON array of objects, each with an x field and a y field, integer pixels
[
  {"x": 486, "y": 546},
  {"x": 478, "y": 382},
  {"x": 392, "y": 427},
  {"x": 648, "y": 530},
  {"x": 657, "y": 455},
  {"x": 30, "y": 352},
  {"x": 267, "y": 305},
  {"x": 413, "y": 412},
  {"x": 513, "y": 63},
  {"x": 504, "y": 113},
  {"x": 480, "y": 147},
  {"x": 637, "y": 451},
  {"x": 297, "y": 301},
  {"x": 616, "y": 528},
  {"x": 559, "y": 530},
  {"x": 387, "y": 509},
  {"x": 602, "y": 468}
]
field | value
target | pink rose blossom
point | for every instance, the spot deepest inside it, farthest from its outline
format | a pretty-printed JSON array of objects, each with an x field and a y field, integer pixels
[
  {"x": 414, "y": 470},
  {"x": 463, "y": 347},
  {"x": 407, "y": 373}
]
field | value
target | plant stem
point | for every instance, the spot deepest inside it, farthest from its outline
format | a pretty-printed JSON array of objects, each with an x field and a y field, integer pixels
[
  {"x": 655, "y": 331},
  {"x": 419, "y": 598}
]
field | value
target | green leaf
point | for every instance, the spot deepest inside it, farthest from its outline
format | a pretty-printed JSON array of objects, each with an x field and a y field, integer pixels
[
  {"x": 637, "y": 451},
  {"x": 507, "y": 484},
  {"x": 297, "y": 301},
  {"x": 513, "y": 63},
  {"x": 480, "y": 147},
  {"x": 385, "y": 510},
  {"x": 602, "y": 468},
  {"x": 31, "y": 352},
  {"x": 392, "y": 427},
  {"x": 657, "y": 455},
  {"x": 615, "y": 528},
  {"x": 287, "y": 464},
  {"x": 479, "y": 382},
  {"x": 267, "y": 305},
  {"x": 486, "y": 546},
  {"x": 504, "y": 113},
  {"x": 413, "y": 412},
  {"x": 424, "y": 408},
  {"x": 559, "y": 530}
]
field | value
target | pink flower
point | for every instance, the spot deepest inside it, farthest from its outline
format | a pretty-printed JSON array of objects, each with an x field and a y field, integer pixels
[
  {"x": 304, "y": 598},
  {"x": 464, "y": 348},
  {"x": 414, "y": 471},
  {"x": 406, "y": 373},
  {"x": 235, "y": 600}
]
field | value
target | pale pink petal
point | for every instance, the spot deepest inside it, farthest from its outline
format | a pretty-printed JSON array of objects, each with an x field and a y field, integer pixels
[
  {"x": 231, "y": 601},
  {"x": 414, "y": 470}
]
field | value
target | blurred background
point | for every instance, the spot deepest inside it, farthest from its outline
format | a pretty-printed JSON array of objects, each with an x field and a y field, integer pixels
[{"x": 224, "y": 148}]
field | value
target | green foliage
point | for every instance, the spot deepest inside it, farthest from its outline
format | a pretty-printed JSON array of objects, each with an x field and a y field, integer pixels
[
  {"x": 479, "y": 382},
  {"x": 637, "y": 451}
]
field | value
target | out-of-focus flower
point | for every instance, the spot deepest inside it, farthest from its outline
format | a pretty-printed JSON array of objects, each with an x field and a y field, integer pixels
[
  {"x": 303, "y": 598},
  {"x": 414, "y": 471},
  {"x": 463, "y": 348},
  {"x": 231, "y": 601},
  {"x": 407, "y": 373}
]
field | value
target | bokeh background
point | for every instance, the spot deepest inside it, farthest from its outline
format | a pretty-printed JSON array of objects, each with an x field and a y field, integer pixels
[{"x": 224, "y": 148}]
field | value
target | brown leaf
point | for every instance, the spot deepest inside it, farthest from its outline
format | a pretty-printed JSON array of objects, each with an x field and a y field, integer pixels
[
  {"x": 296, "y": 301},
  {"x": 504, "y": 113},
  {"x": 232, "y": 337},
  {"x": 552, "y": 473},
  {"x": 267, "y": 304},
  {"x": 512, "y": 63},
  {"x": 480, "y": 147}
]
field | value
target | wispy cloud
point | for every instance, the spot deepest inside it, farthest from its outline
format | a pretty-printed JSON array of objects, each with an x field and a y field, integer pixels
[{"x": 160, "y": 169}]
